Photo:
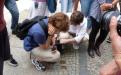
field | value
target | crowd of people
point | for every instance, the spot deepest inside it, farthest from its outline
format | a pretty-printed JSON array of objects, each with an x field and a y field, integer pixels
[{"x": 45, "y": 43}]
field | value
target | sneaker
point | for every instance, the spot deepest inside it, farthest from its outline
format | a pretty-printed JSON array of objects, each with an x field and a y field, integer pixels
[
  {"x": 76, "y": 46},
  {"x": 13, "y": 62},
  {"x": 39, "y": 66}
]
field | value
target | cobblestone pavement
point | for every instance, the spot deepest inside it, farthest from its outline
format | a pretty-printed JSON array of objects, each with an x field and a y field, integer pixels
[
  {"x": 94, "y": 64},
  {"x": 73, "y": 62}
]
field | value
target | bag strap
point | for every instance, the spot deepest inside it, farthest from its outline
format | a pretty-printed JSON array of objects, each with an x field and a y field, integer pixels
[{"x": 44, "y": 27}]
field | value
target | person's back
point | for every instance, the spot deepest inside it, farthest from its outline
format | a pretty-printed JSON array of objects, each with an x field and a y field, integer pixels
[{"x": 37, "y": 32}]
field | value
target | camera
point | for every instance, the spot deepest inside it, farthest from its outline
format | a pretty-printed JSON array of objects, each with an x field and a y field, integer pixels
[{"x": 58, "y": 46}]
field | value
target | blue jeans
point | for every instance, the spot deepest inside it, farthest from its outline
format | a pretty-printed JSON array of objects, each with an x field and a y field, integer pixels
[
  {"x": 85, "y": 6},
  {"x": 12, "y": 7},
  {"x": 66, "y": 5},
  {"x": 85, "y": 9}
]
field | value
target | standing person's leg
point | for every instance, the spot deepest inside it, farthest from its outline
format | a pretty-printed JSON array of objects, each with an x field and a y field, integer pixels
[
  {"x": 2, "y": 50},
  {"x": 85, "y": 6},
  {"x": 100, "y": 39},
  {"x": 64, "y": 4},
  {"x": 41, "y": 9},
  {"x": 1, "y": 66},
  {"x": 85, "y": 9},
  {"x": 12, "y": 7},
  {"x": 38, "y": 9},
  {"x": 69, "y": 6},
  {"x": 7, "y": 55},
  {"x": 92, "y": 37}
]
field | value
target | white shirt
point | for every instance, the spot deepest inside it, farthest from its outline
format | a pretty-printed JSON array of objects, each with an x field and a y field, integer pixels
[{"x": 79, "y": 30}]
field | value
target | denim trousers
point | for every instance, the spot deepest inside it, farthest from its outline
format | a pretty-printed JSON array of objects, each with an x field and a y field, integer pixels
[
  {"x": 39, "y": 10},
  {"x": 85, "y": 9},
  {"x": 66, "y": 5},
  {"x": 12, "y": 7},
  {"x": 85, "y": 6}
]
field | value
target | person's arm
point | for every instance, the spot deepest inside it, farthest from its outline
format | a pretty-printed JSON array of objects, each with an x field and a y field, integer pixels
[
  {"x": 67, "y": 41},
  {"x": 80, "y": 35},
  {"x": 75, "y": 5},
  {"x": 107, "y": 6},
  {"x": 115, "y": 2},
  {"x": 116, "y": 41}
]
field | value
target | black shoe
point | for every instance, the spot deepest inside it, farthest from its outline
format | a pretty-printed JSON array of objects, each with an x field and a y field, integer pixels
[
  {"x": 108, "y": 40},
  {"x": 13, "y": 32},
  {"x": 97, "y": 51},
  {"x": 91, "y": 53},
  {"x": 13, "y": 62}
]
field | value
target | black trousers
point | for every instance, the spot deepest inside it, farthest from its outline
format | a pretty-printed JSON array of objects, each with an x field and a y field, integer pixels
[
  {"x": 4, "y": 48},
  {"x": 1, "y": 66},
  {"x": 96, "y": 27},
  {"x": 4, "y": 45}
]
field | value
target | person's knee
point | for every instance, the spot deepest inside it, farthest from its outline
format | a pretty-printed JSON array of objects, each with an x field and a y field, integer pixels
[{"x": 56, "y": 56}]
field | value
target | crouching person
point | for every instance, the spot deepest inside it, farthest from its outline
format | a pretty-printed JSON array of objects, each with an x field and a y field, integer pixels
[
  {"x": 39, "y": 45},
  {"x": 77, "y": 30}
]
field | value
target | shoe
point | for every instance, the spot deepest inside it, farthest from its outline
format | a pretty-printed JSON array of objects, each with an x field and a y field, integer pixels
[
  {"x": 108, "y": 40},
  {"x": 75, "y": 46},
  {"x": 13, "y": 32},
  {"x": 12, "y": 62},
  {"x": 39, "y": 66},
  {"x": 91, "y": 53},
  {"x": 97, "y": 51}
]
